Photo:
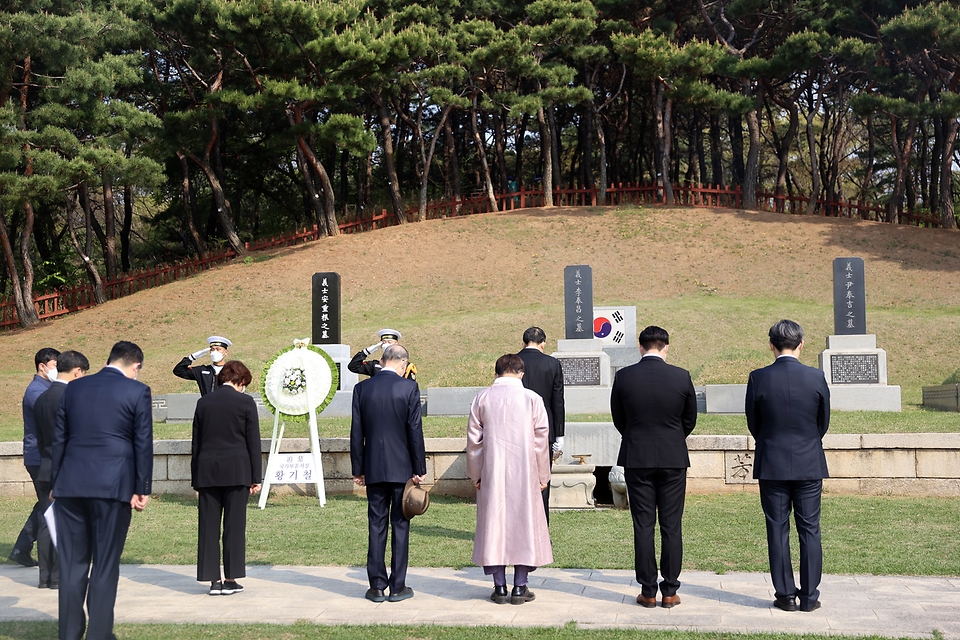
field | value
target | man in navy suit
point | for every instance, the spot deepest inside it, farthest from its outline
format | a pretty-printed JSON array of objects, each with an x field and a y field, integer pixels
[
  {"x": 788, "y": 413},
  {"x": 543, "y": 375},
  {"x": 654, "y": 407},
  {"x": 102, "y": 466},
  {"x": 387, "y": 450}
]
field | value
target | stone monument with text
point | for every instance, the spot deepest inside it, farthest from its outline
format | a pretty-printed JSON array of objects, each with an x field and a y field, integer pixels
[
  {"x": 326, "y": 325},
  {"x": 856, "y": 370}
]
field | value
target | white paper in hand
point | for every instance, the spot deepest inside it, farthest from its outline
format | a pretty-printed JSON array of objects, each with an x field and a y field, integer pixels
[{"x": 51, "y": 524}]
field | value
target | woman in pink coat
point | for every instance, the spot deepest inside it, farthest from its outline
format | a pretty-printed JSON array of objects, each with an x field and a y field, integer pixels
[{"x": 508, "y": 460}]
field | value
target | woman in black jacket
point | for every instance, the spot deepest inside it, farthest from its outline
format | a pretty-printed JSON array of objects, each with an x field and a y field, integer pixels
[{"x": 226, "y": 468}]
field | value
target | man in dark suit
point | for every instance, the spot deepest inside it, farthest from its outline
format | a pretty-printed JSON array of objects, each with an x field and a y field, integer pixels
[
  {"x": 654, "y": 408},
  {"x": 205, "y": 375},
  {"x": 72, "y": 365},
  {"x": 544, "y": 376},
  {"x": 788, "y": 413},
  {"x": 387, "y": 450},
  {"x": 101, "y": 468}
]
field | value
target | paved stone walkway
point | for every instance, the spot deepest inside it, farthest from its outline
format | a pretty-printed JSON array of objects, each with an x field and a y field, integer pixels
[{"x": 890, "y": 606}]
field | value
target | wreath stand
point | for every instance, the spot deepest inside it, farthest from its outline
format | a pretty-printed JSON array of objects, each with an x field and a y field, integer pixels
[{"x": 298, "y": 384}]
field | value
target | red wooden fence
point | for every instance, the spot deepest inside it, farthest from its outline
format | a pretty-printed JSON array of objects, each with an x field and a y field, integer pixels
[{"x": 61, "y": 301}]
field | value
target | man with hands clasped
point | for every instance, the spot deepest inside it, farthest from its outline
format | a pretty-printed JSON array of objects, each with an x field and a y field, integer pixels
[
  {"x": 205, "y": 375},
  {"x": 370, "y": 368}
]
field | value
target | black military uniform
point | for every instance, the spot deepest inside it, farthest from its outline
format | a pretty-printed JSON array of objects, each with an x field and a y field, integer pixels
[
  {"x": 204, "y": 375},
  {"x": 372, "y": 367}
]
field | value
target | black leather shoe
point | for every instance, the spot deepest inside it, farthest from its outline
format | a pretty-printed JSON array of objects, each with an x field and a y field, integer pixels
[
  {"x": 21, "y": 558},
  {"x": 500, "y": 595},
  {"x": 519, "y": 595},
  {"x": 786, "y": 603},
  {"x": 43, "y": 585},
  {"x": 810, "y": 606},
  {"x": 375, "y": 595},
  {"x": 404, "y": 594}
]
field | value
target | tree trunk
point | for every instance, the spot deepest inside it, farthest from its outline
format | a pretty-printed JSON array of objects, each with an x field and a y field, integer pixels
[
  {"x": 481, "y": 152},
  {"x": 295, "y": 117},
  {"x": 663, "y": 106},
  {"x": 547, "y": 155},
  {"x": 427, "y": 163},
  {"x": 315, "y": 205},
  {"x": 392, "y": 180},
  {"x": 947, "y": 218},
  {"x": 871, "y": 156},
  {"x": 752, "y": 168},
  {"x": 554, "y": 144},
  {"x": 26, "y": 312},
  {"x": 811, "y": 207},
  {"x": 735, "y": 126},
  {"x": 224, "y": 211},
  {"x": 902, "y": 156},
  {"x": 716, "y": 152},
  {"x": 188, "y": 225},
  {"x": 518, "y": 145},
  {"x": 601, "y": 156},
  {"x": 500, "y": 146},
  {"x": 110, "y": 224},
  {"x": 127, "y": 227},
  {"x": 92, "y": 273},
  {"x": 453, "y": 162}
]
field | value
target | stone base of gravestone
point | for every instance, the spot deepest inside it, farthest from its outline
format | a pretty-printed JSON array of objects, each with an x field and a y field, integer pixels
[
  {"x": 944, "y": 397},
  {"x": 179, "y": 407},
  {"x": 584, "y": 363},
  {"x": 572, "y": 485},
  {"x": 341, "y": 356},
  {"x": 856, "y": 371},
  {"x": 724, "y": 398},
  {"x": 621, "y": 357}
]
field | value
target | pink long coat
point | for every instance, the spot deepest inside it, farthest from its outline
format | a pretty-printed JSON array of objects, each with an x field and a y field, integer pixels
[{"x": 507, "y": 451}]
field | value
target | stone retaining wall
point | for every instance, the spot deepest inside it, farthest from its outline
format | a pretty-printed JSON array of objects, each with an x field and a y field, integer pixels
[{"x": 923, "y": 464}]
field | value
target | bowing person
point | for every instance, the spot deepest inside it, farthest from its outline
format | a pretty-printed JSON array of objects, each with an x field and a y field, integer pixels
[
  {"x": 225, "y": 469},
  {"x": 508, "y": 459}
]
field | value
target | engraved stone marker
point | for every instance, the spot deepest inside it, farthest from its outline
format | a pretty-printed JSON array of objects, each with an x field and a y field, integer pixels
[
  {"x": 326, "y": 308},
  {"x": 582, "y": 371},
  {"x": 854, "y": 368},
  {"x": 578, "y": 301},
  {"x": 849, "y": 297}
]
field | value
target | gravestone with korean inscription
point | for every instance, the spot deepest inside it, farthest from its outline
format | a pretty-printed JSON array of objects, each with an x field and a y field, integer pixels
[
  {"x": 581, "y": 354},
  {"x": 326, "y": 325},
  {"x": 856, "y": 370}
]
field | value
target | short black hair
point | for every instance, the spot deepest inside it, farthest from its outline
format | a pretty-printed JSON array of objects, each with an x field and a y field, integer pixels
[
  {"x": 786, "y": 334},
  {"x": 70, "y": 360},
  {"x": 509, "y": 363},
  {"x": 534, "y": 335},
  {"x": 654, "y": 337},
  {"x": 125, "y": 353},
  {"x": 44, "y": 356}
]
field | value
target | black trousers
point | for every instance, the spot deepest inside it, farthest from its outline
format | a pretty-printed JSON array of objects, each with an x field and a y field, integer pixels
[
  {"x": 385, "y": 504},
  {"x": 227, "y": 505},
  {"x": 657, "y": 494},
  {"x": 46, "y": 552},
  {"x": 31, "y": 528},
  {"x": 803, "y": 496},
  {"x": 89, "y": 530}
]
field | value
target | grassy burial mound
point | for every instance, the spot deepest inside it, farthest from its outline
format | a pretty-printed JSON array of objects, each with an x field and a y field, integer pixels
[{"x": 463, "y": 290}]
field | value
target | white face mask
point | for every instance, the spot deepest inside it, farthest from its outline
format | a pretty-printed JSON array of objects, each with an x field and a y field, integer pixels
[
  {"x": 216, "y": 356},
  {"x": 51, "y": 373}
]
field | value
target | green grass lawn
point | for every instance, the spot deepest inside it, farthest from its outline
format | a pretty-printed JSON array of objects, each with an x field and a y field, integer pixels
[
  {"x": 861, "y": 535},
  {"x": 307, "y": 631}
]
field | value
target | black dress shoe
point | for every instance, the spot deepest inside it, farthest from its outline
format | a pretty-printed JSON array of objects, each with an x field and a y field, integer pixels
[
  {"x": 786, "y": 603},
  {"x": 21, "y": 558},
  {"x": 404, "y": 594},
  {"x": 44, "y": 584},
  {"x": 810, "y": 606},
  {"x": 500, "y": 595},
  {"x": 375, "y": 595},
  {"x": 519, "y": 595}
]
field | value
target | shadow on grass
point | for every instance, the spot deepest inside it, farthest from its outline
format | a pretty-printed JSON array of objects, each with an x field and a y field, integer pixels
[
  {"x": 442, "y": 532},
  {"x": 26, "y": 630}
]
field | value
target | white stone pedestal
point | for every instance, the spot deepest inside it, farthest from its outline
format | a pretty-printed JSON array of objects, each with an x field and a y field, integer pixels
[
  {"x": 856, "y": 371},
  {"x": 572, "y": 485},
  {"x": 340, "y": 354}
]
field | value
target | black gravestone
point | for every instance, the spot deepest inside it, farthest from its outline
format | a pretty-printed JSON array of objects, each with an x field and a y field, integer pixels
[
  {"x": 326, "y": 308},
  {"x": 849, "y": 297},
  {"x": 578, "y": 301}
]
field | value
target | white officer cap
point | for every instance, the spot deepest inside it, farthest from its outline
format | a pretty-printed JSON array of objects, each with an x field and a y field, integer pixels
[
  {"x": 391, "y": 334},
  {"x": 218, "y": 341}
]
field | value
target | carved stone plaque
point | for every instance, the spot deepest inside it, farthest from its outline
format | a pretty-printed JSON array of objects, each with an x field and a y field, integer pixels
[
  {"x": 581, "y": 371},
  {"x": 738, "y": 467},
  {"x": 854, "y": 368}
]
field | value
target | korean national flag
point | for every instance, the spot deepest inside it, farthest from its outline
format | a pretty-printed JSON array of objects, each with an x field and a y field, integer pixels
[{"x": 609, "y": 325}]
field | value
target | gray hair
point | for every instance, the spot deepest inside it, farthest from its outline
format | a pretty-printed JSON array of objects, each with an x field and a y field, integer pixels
[
  {"x": 786, "y": 334},
  {"x": 394, "y": 353}
]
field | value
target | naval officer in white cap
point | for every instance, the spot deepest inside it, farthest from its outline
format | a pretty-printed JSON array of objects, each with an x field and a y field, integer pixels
[
  {"x": 372, "y": 367},
  {"x": 205, "y": 375}
]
